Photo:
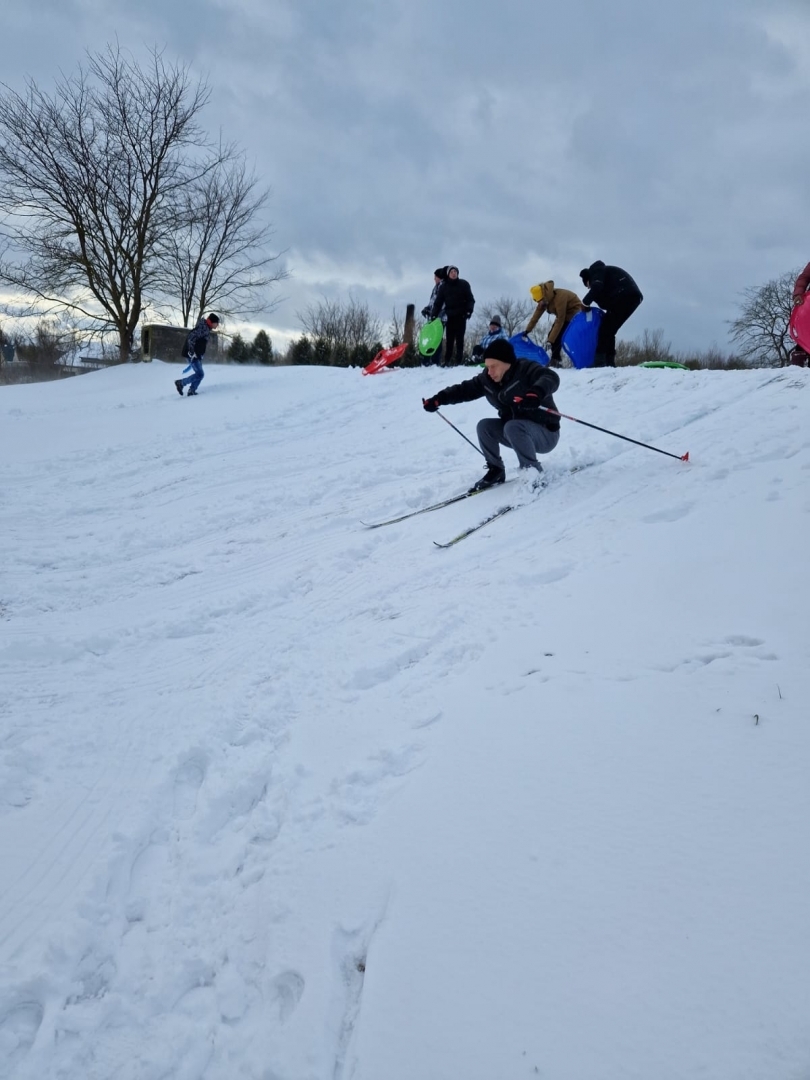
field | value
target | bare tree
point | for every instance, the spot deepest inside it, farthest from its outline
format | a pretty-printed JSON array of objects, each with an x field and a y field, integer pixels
[
  {"x": 761, "y": 328},
  {"x": 514, "y": 315},
  {"x": 344, "y": 324},
  {"x": 216, "y": 257},
  {"x": 52, "y": 341},
  {"x": 396, "y": 329},
  {"x": 651, "y": 346},
  {"x": 89, "y": 182}
]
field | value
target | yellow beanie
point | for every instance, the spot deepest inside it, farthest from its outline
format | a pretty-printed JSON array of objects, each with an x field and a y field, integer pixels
[{"x": 537, "y": 293}]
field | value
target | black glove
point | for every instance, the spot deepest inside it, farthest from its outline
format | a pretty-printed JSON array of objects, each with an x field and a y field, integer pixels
[
  {"x": 425, "y": 312},
  {"x": 430, "y": 404},
  {"x": 530, "y": 403},
  {"x": 477, "y": 351}
]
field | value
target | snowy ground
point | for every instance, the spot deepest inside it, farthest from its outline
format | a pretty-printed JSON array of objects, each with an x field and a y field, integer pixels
[{"x": 284, "y": 798}]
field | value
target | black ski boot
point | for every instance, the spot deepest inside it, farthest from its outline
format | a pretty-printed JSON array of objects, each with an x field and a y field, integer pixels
[
  {"x": 179, "y": 387},
  {"x": 494, "y": 475}
]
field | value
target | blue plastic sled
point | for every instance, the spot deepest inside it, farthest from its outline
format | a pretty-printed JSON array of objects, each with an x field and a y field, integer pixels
[
  {"x": 525, "y": 349},
  {"x": 579, "y": 340}
]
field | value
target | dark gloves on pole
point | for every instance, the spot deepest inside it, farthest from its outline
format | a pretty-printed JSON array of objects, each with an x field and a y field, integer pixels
[{"x": 430, "y": 404}]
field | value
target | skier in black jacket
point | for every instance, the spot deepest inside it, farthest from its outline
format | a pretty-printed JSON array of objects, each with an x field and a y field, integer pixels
[
  {"x": 455, "y": 296},
  {"x": 517, "y": 389},
  {"x": 618, "y": 295}
]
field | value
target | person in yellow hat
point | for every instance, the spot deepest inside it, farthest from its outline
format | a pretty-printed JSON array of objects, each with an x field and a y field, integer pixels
[{"x": 562, "y": 304}]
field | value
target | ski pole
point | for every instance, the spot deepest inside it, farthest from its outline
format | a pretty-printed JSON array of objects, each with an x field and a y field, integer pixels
[
  {"x": 461, "y": 433},
  {"x": 607, "y": 431}
]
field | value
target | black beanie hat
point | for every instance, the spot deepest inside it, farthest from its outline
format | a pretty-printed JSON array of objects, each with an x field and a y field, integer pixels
[
  {"x": 500, "y": 349},
  {"x": 441, "y": 273},
  {"x": 586, "y": 276},
  {"x": 495, "y": 320}
]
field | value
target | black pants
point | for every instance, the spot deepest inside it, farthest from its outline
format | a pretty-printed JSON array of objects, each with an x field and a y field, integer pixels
[
  {"x": 455, "y": 330},
  {"x": 556, "y": 348},
  {"x": 616, "y": 314}
]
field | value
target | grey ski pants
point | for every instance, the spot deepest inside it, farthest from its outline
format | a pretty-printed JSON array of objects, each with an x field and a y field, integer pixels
[{"x": 525, "y": 437}]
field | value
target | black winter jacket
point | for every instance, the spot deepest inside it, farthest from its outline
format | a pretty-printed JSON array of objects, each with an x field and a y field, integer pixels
[
  {"x": 609, "y": 283},
  {"x": 196, "y": 340},
  {"x": 524, "y": 387},
  {"x": 455, "y": 297}
]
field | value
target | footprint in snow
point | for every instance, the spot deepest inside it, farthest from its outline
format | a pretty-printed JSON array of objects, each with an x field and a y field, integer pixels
[
  {"x": 671, "y": 513},
  {"x": 19, "y": 1025},
  {"x": 187, "y": 782},
  {"x": 148, "y": 867},
  {"x": 287, "y": 990}
]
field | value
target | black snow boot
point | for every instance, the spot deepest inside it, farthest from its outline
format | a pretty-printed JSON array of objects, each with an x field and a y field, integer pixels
[
  {"x": 179, "y": 386},
  {"x": 494, "y": 475},
  {"x": 191, "y": 393}
]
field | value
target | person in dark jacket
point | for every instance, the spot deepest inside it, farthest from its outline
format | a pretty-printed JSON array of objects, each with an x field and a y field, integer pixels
[
  {"x": 613, "y": 290},
  {"x": 494, "y": 332},
  {"x": 455, "y": 296},
  {"x": 194, "y": 351},
  {"x": 520, "y": 390},
  {"x": 439, "y": 276}
]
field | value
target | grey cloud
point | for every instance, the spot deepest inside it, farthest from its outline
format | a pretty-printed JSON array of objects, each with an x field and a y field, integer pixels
[{"x": 519, "y": 140}]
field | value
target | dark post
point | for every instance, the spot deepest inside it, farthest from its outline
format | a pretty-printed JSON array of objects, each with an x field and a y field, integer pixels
[{"x": 408, "y": 331}]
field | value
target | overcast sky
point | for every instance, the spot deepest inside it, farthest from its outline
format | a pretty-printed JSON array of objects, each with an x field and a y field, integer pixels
[{"x": 519, "y": 140}]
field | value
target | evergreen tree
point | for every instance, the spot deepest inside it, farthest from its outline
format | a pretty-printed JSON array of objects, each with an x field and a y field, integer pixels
[
  {"x": 321, "y": 352},
  {"x": 340, "y": 355},
  {"x": 239, "y": 351},
  {"x": 301, "y": 351},
  {"x": 262, "y": 348},
  {"x": 361, "y": 356}
]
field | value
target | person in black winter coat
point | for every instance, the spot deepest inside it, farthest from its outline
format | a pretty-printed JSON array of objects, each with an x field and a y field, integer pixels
[
  {"x": 520, "y": 390},
  {"x": 439, "y": 276},
  {"x": 194, "y": 351},
  {"x": 455, "y": 296},
  {"x": 613, "y": 290}
]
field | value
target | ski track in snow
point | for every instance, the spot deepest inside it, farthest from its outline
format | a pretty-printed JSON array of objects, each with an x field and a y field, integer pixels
[{"x": 226, "y": 708}]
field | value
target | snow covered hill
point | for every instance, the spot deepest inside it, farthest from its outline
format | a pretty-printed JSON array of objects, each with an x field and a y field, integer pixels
[{"x": 285, "y": 798}]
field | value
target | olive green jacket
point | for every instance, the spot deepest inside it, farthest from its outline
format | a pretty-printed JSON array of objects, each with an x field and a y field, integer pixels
[{"x": 562, "y": 303}]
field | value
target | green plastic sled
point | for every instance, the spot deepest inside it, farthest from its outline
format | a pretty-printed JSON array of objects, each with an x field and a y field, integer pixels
[
  {"x": 664, "y": 363},
  {"x": 430, "y": 337}
]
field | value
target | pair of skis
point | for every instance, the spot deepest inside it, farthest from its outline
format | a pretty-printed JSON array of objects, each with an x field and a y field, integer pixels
[
  {"x": 440, "y": 505},
  {"x": 459, "y": 498}
]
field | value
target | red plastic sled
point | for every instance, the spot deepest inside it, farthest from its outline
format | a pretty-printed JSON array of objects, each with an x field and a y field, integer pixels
[
  {"x": 385, "y": 357},
  {"x": 799, "y": 325}
]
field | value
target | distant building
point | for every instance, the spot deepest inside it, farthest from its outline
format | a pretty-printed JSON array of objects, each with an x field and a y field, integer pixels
[{"x": 166, "y": 343}]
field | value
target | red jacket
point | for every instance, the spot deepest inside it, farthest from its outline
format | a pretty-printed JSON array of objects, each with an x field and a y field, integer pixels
[{"x": 802, "y": 282}]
